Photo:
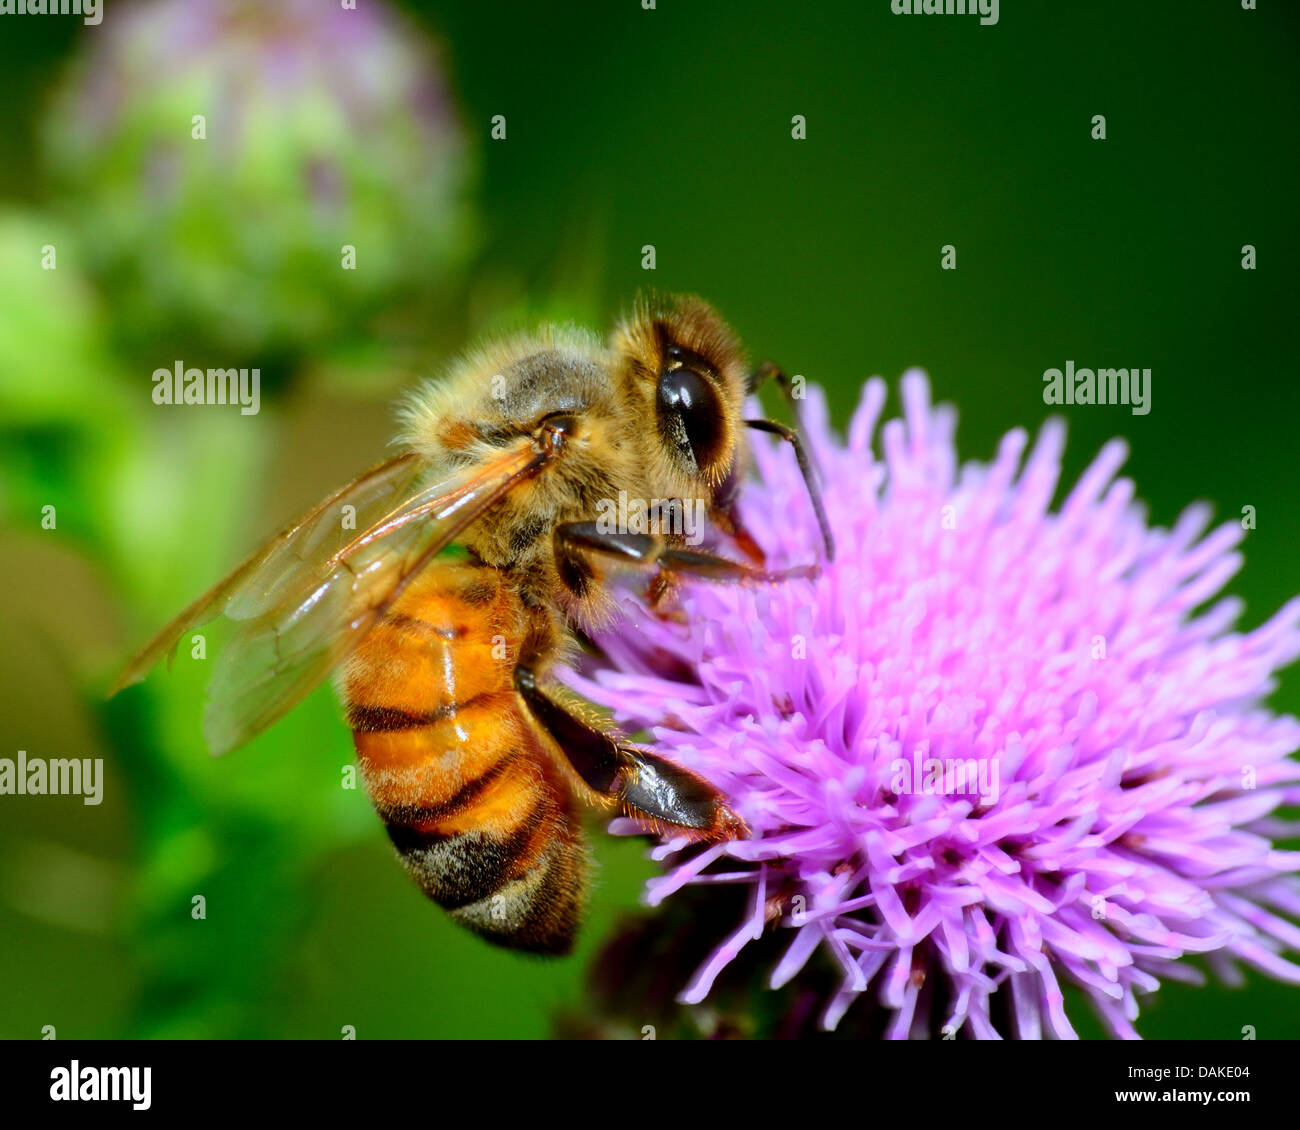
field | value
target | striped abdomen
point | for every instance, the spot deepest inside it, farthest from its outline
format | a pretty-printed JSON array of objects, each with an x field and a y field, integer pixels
[{"x": 478, "y": 811}]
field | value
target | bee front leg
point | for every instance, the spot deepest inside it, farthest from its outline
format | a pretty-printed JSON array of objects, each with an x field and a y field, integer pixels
[
  {"x": 576, "y": 539},
  {"x": 649, "y": 788}
]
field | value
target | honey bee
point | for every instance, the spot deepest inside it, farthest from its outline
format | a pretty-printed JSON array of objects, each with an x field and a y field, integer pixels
[{"x": 474, "y": 759}]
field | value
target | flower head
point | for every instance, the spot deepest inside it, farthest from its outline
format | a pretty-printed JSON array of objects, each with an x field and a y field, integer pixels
[{"x": 992, "y": 749}]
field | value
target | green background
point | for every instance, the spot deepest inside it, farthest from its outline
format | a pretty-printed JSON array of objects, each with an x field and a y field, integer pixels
[{"x": 626, "y": 127}]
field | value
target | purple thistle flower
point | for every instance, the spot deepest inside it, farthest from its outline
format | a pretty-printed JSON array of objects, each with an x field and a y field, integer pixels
[{"x": 1107, "y": 779}]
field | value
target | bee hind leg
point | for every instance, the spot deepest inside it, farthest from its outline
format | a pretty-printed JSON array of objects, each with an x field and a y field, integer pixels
[
  {"x": 650, "y": 789},
  {"x": 655, "y": 790}
]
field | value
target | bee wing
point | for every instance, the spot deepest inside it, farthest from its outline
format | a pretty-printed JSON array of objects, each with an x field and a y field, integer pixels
[
  {"x": 302, "y": 609},
  {"x": 291, "y": 554}
]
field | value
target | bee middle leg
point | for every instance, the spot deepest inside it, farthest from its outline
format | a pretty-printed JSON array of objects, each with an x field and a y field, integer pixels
[{"x": 649, "y": 788}]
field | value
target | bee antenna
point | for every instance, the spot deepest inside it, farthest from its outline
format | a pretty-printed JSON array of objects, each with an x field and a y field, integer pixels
[
  {"x": 806, "y": 469},
  {"x": 767, "y": 371}
]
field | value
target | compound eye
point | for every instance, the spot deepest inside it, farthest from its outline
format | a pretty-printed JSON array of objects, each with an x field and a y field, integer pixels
[{"x": 690, "y": 416}]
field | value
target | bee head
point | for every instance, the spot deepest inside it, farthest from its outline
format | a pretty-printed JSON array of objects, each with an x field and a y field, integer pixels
[{"x": 683, "y": 366}]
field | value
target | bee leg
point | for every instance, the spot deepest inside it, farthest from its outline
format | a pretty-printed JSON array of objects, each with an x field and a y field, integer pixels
[
  {"x": 574, "y": 539},
  {"x": 663, "y": 582},
  {"x": 725, "y": 516},
  {"x": 729, "y": 523},
  {"x": 649, "y": 788},
  {"x": 658, "y": 591}
]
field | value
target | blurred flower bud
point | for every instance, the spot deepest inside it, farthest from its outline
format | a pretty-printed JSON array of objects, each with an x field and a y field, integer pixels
[{"x": 256, "y": 176}]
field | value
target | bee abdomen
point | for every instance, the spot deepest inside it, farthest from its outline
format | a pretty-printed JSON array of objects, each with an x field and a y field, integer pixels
[
  {"x": 479, "y": 814},
  {"x": 500, "y": 856}
]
